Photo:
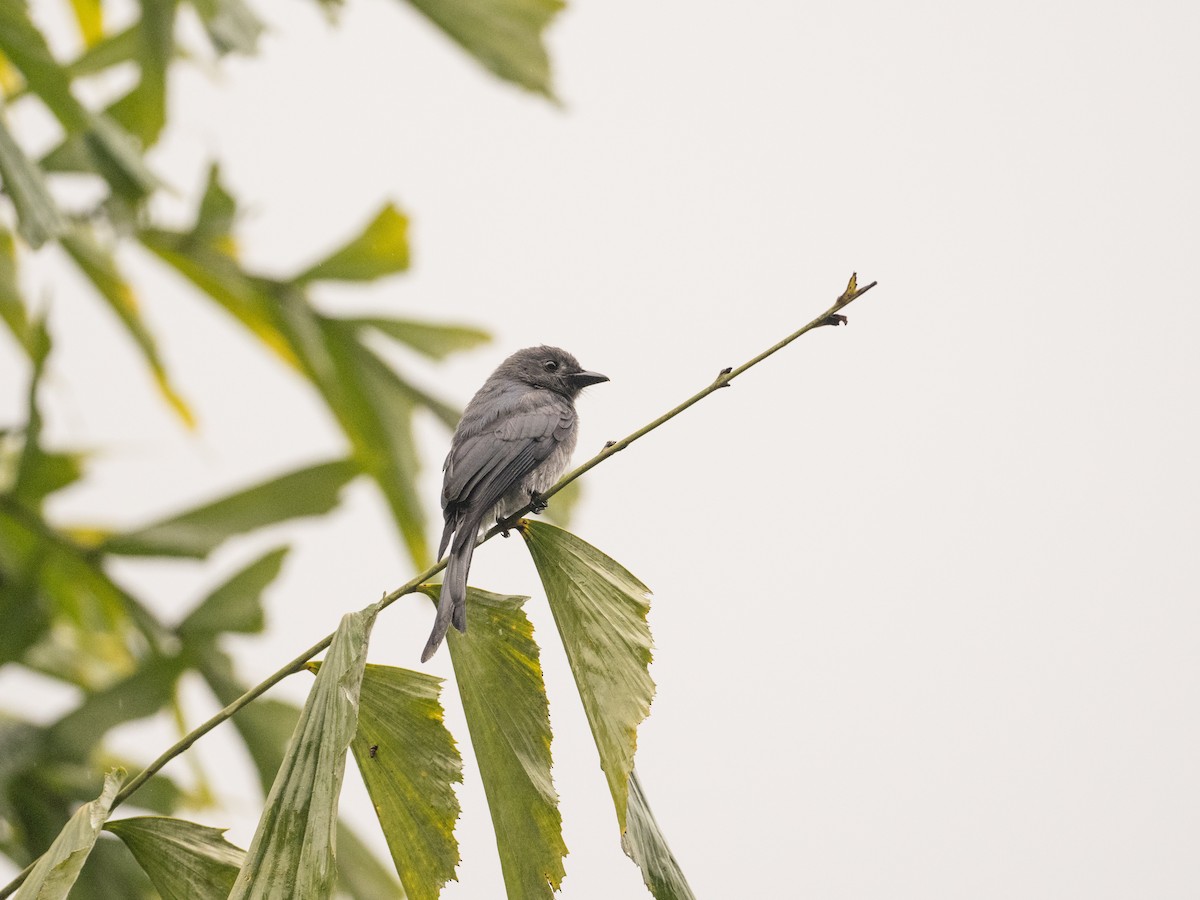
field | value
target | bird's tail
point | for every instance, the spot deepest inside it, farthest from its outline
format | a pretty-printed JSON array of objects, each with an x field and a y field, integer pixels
[{"x": 452, "y": 603}]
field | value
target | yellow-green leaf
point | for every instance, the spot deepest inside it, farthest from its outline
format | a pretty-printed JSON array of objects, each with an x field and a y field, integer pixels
[
  {"x": 433, "y": 340},
  {"x": 381, "y": 249},
  {"x": 38, "y": 217},
  {"x": 499, "y": 675},
  {"x": 409, "y": 763}
]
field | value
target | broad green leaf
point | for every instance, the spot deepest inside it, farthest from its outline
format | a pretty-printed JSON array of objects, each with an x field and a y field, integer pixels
[
  {"x": 185, "y": 861},
  {"x": 90, "y": 16},
  {"x": 600, "y": 610},
  {"x": 504, "y": 35},
  {"x": 292, "y": 854},
  {"x": 361, "y": 876},
  {"x": 409, "y": 763},
  {"x": 55, "y": 872},
  {"x": 38, "y": 217},
  {"x": 235, "y": 606},
  {"x": 101, "y": 269},
  {"x": 435, "y": 341},
  {"x": 643, "y": 842},
  {"x": 311, "y": 491},
  {"x": 499, "y": 675},
  {"x": 231, "y": 25},
  {"x": 381, "y": 249}
]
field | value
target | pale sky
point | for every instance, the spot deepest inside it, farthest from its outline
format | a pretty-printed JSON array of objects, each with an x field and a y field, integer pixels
[{"x": 926, "y": 588}]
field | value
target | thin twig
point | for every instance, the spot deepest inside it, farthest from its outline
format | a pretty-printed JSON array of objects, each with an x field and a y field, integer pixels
[{"x": 724, "y": 377}]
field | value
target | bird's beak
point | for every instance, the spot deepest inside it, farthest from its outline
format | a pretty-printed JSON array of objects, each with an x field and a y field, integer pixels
[{"x": 583, "y": 379}]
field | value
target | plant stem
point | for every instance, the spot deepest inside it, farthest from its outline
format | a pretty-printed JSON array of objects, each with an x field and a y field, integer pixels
[{"x": 829, "y": 317}]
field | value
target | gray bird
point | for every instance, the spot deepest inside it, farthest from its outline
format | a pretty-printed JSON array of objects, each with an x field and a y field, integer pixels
[{"x": 513, "y": 442}]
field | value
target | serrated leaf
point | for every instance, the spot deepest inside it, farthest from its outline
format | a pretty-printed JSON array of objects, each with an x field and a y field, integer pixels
[
  {"x": 381, "y": 249},
  {"x": 503, "y": 35},
  {"x": 38, "y": 216},
  {"x": 235, "y": 606},
  {"x": 409, "y": 763},
  {"x": 292, "y": 854},
  {"x": 311, "y": 491},
  {"x": 499, "y": 674},
  {"x": 101, "y": 269},
  {"x": 185, "y": 861},
  {"x": 600, "y": 610},
  {"x": 434, "y": 341},
  {"x": 56, "y": 870}
]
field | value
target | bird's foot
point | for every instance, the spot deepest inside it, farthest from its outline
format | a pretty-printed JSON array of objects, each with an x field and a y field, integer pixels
[{"x": 537, "y": 503}]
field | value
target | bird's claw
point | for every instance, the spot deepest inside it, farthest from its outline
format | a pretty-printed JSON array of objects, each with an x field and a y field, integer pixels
[
  {"x": 835, "y": 319},
  {"x": 537, "y": 503}
]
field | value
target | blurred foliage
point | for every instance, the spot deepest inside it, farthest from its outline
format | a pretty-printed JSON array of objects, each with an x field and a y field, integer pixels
[{"x": 64, "y": 617}]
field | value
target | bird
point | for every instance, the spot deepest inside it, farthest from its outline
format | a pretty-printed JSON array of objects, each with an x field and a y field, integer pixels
[{"x": 514, "y": 440}]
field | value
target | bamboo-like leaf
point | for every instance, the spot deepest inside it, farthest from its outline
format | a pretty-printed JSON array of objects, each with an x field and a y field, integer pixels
[
  {"x": 409, "y": 763},
  {"x": 38, "y": 216},
  {"x": 499, "y": 675},
  {"x": 434, "y": 341},
  {"x": 185, "y": 861},
  {"x": 55, "y": 872},
  {"x": 12, "y": 305},
  {"x": 643, "y": 842},
  {"x": 292, "y": 854},
  {"x": 235, "y": 606},
  {"x": 101, "y": 269},
  {"x": 311, "y": 491},
  {"x": 503, "y": 35},
  {"x": 600, "y": 610},
  {"x": 143, "y": 111},
  {"x": 381, "y": 249}
]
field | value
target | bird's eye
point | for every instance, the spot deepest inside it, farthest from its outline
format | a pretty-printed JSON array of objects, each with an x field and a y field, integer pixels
[{"x": 549, "y": 365}]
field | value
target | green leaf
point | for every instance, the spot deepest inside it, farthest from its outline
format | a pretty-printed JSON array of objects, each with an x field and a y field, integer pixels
[
  {"x": 38, "y": 217},
  {"x": 409, "y": 763},
  {"x": 381, "y": 249},
  {"x": 143, "y": 111},
  {"x": 600, "y": 611},
  {"x": 311, "y": 491},
  {"x": 55, "y": 872},
  {"x": 25, "y": 617},
  {"x": 434, "y": 341},
  {"x": 643, "y": 842},
  {"x": 231, "y": 25},
  {"x": 101, "y": 269},
  {"x": 360, "y": 875},
  {"x": 185, "y": 861},
  {"x": 292, "y": 854},
  {"x": 504, "y": 35},
  {"x": 499, "y": 675},
  {"x": 235, "y": 606}
]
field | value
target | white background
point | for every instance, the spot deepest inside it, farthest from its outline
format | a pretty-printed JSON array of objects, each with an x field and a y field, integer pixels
[{"x": 926, "y": 587}]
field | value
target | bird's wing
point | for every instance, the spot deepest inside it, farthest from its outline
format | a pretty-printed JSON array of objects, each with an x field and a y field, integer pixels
[{"x": 483, "y": 466}]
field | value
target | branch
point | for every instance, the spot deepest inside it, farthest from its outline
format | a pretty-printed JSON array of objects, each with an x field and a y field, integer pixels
[{"x": 831, "y": 316}]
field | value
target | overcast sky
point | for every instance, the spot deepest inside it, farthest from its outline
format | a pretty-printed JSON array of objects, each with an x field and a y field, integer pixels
[{"x": 926, "y": 588}]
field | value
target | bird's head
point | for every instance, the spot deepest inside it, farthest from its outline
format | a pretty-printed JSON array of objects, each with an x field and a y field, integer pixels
[{"x": 550, "y": 368}]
